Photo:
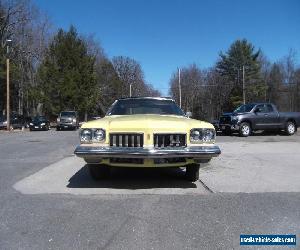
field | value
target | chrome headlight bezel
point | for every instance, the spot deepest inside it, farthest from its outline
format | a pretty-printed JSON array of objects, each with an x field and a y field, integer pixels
[
  {"x": 202, "y": 135},
  {"x": 99, "y": 135},
  {"x": 88, "y": 135}
]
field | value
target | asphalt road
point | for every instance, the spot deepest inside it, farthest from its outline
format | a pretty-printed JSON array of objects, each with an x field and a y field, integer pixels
[{"x": 48, "y": 201}]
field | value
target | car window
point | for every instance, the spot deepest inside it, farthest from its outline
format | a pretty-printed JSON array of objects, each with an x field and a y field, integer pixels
[
  {"x": 244, "y": 108},
  {"x": 68, "y": 113},
  {"x": 145, "y": 106},
  {"x": 261, "y": 108},
  {"x": 270, "y": 108}
]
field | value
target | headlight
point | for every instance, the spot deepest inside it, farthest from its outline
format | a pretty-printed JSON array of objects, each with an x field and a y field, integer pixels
[
  {"x": 199, "y": 135},
  {"x": 209, "y": 135},
  {"x": 234, "y": 118},
  {"x": 58, "y": 119},
  {"x": 99, "y": 135},
  {"x": 86, "y": 135},
  {"x": 92, "y": 135},
  {"x": 74, "y": 119},
  {"x": 43, "y": 124},
  {"x": 31, "y": 123}
]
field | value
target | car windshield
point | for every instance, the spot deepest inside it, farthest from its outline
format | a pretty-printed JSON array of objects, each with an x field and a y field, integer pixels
[
  {"x": 145, "y": 106},
  {"x": 2, "y": 118},
  {"x": 39, "y": 119},
  {"x": 244, "y": 108},
  {"x": 68, "y": 113}
]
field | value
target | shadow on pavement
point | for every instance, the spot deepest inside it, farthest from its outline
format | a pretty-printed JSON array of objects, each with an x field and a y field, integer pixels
[
  {"x": 256, "y": 133},
  {"x": 133, "y": 178}
]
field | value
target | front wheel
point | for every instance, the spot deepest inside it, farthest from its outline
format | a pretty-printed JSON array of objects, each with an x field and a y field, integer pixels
[
  {"x": 192, "y": 172},
  {"x": 245, "y": 129},
  {"x": 99, "y": 171},
  {"x": 290, "y": 128}
]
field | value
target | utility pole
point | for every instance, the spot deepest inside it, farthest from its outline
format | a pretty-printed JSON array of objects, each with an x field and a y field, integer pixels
[
  {"x": 179, "y": 85},
  {"x": 244, "y": 94},
  {"x": 130, "y": 89},
  {"x": 7, "y": 87}
]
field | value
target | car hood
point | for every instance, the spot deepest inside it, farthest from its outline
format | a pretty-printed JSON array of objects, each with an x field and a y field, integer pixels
[
  {"x": 234, "y": 113},
  {"x": 37, "y": 123},
  {"x": 146, "y": 123}
]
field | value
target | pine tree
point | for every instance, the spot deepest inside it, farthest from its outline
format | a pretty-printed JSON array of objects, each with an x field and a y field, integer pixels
[
  {"x": 66, "y": 76},
  {"x": 241, "y": 54}
]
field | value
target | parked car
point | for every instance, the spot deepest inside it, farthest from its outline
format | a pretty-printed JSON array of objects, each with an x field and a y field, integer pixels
[
  {"x": 146, "y": 132},
  {"x": 39, "y": 123},
  {"x": 216, "y": 124},
  {"x": 16, "y": 121},
  {"x": 67, "y": 120},
  {"x": 259, "y": 116}
]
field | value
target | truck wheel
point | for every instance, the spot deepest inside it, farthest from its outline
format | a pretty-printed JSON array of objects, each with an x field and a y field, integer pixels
[
  {"x": 290, "y": 128},
  {"x": 245, "y": 129},
  {"x": 99, "y": 171},
  {"x": 192, "y": 172}
]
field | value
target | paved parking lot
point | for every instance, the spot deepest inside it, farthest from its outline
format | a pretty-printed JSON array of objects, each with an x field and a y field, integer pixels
[
  {"x": 261, "y": 163},
  {"x": 49, "y": 201}
]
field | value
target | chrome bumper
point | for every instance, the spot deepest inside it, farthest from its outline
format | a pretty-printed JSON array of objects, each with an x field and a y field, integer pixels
[
  {"x": 197, "y": 152},
  {"x": 232, "y": 127}
]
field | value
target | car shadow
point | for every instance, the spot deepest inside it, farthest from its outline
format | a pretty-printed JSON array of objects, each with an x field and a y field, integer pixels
[
  {"x": 133, "y": 178},
  {"x": 256, "y": 133}
]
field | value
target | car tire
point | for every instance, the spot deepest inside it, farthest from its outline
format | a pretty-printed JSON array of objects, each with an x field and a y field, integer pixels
[
  {"x": 290, "y": 128},
  {"x": 245, "y": 129},
  {"x": 192, "y": 172},
  {"x": 57, "y": 128},
  {"x": 99, "y": 171}
]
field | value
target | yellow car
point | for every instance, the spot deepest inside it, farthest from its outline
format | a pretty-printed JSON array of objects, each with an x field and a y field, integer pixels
[{"x": 146, "y": 132}]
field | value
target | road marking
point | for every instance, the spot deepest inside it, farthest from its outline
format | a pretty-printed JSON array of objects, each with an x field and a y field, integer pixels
[{"x": 70, "y": 176}]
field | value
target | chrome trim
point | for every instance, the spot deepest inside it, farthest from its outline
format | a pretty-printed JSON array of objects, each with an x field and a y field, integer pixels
[
  {"x": 122, "y": 139},
  {"x": 170, "y": 136},
  {"x": 99, "y": 152}
]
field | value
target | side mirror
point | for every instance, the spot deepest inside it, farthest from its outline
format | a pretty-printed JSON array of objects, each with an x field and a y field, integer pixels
[{"x": 188, "y": 114}]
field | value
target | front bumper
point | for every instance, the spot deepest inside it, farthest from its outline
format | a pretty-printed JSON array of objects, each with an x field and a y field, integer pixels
[
  {"x": 37, "y": 127},
  {"x": 98, "y": 152},
  {"x": 66, "y": 125},
  {"x": 232, "y": 127}
]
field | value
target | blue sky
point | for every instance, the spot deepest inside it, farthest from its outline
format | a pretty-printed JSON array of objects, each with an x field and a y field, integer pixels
[{"x": 163, "y": 35}]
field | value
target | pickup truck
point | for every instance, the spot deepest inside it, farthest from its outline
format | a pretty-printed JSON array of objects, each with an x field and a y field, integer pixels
[
  {"x": 67, "y": 120},
  {"x": 259, "y": 116}
]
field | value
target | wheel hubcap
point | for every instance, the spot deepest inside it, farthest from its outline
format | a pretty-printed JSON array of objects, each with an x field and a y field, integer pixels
[
  {"x": 291, "y": 128},
  {"x": 245, "y": 130}
]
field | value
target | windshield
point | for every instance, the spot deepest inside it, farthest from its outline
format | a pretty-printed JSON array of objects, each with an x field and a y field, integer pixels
[
  {"x": 39, "y": 119},
  {"x": 68, "y": 113},
  {"x": 2, "y": 118},
  {"x": 145, "y": 106},
  {"x": 244, "y": 108}
]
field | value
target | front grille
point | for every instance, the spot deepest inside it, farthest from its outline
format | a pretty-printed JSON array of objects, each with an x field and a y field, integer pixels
[
  {"x": 225, "y": 119},
  {"x": 169, "y": 140},
  {"x": 126, "y": 140},
  {"x": 66, "y": 120}
]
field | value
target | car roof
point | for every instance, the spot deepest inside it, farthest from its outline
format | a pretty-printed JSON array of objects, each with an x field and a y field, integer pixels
[
  {"x": 259, "y": 103},
  {"x": 146, "y": 97}
]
